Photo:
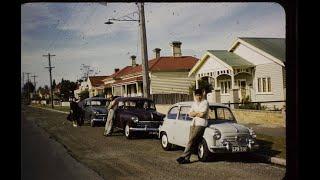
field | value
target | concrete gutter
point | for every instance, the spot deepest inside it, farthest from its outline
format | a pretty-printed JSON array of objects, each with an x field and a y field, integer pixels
[
  {"x": 269, "y": 159},
  {"x": 260, "y": 157}
]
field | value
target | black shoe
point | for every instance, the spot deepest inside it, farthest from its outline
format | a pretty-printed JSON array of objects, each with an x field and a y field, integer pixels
[
  {"x": 185, "y": 161},
  {"x": 182, "y": 160},
  {"x": 106, "y": 134}
]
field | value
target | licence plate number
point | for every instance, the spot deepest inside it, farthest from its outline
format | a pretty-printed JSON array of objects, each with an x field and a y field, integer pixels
[{"x": 239, "y": 149}]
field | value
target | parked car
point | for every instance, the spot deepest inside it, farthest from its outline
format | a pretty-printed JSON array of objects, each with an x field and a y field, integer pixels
[
  {"x": 95, "y": 110},
  {"x": 137, "y": 114},
  {"x": 222, "y": 135}
]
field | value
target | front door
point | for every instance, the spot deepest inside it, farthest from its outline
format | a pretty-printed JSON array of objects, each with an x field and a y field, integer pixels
[{"x": 243, "y": 87}]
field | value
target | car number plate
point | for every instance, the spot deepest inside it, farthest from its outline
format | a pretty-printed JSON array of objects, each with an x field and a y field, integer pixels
[{"x": 239, "y": 149}]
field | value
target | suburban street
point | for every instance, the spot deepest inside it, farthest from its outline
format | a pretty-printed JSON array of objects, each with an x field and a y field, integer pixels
[{"x": 84, "y": 153}]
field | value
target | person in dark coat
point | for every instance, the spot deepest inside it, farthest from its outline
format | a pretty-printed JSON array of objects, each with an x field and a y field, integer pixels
[{"x": 75, "y": 113}]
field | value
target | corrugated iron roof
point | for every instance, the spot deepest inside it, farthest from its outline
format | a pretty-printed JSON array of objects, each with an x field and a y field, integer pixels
[
  {"x": 230, "y": 58},
  {"x": 274, "y": 46},
  {"x": 97, "y": 80}
]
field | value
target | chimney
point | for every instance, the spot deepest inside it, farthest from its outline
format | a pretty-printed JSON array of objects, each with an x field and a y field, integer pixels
[
  {"x": 156, "y": 53},
  {"x": 133, "y": 59},
  {"x": 116, "y": 70},
  {"x": 176, "y": 48}
]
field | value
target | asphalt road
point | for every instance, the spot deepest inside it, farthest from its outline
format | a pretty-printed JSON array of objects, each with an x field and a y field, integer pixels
[
  {"x": 116, "y": 157},
  {"x": 44, "y": 158}
]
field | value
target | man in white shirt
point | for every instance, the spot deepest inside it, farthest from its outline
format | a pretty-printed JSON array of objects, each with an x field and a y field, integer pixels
[{"x": 199, "y": 113}]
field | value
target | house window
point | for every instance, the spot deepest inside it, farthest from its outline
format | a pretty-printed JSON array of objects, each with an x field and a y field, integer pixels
[
  {"x": 264, "y": 84},
  {"x": 225, "y": 87},
  {"x": 269, "y": 84}
]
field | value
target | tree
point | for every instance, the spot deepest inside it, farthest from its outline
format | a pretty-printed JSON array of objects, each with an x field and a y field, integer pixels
[
  {"x": 54, "y": 84},
  {"x": 28, "y": 88},
  {"x": 66, "y": 89},
  {"x": 203, "y": 84}
]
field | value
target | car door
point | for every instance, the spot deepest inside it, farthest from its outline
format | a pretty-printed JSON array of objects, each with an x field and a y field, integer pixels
[
  {"x": 170, "y": 123},
  {"x": 87, "y": 109},
  {"x": 118, "y": 112},
  {"x": 183, "y": 126}
]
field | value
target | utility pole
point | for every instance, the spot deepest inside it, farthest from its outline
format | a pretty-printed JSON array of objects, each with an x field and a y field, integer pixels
[
  {"x": 144, "y": 52},
  {"x": 50, "y": 68},
  {"x": 34, "y": 82},
  {"x": 28, "y": 86}
]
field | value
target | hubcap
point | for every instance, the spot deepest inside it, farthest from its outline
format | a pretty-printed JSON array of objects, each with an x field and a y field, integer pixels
[
  {"x": 200, "y": 151},
  {"x": 164, "y": 141},
  {"x": 127, "y": 130}
]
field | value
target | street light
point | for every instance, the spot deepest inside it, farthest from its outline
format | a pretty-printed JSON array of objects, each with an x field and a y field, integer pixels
[{"x": 144, "y": 50}]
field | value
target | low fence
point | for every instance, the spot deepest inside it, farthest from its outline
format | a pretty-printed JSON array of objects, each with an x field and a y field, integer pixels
[
  {"x": 170, "y": 98},
  {"x": 55, "y": 103},
  {"x": 262, "y": 105}
]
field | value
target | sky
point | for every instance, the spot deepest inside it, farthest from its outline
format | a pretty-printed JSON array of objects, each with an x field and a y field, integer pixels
[{"x": 76, "y": 34}]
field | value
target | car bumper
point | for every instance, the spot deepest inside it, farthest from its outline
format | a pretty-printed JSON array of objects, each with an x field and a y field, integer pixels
[
  {"x": 145, "y": 129},
  {"x": 228, "y": 148},
  {"x": 99, "y": 120}
]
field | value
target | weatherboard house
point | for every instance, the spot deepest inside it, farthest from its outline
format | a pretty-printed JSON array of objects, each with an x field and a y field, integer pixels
[
  {"x": 251, "y": 67},
  {"x": 168, "y": 76}
]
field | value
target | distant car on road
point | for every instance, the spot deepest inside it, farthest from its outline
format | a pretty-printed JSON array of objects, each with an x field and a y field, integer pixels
[
  {"x": 136, "y": 114},
  {"x": 95, "y": 110},
  {"x": 222, "y": 135}
]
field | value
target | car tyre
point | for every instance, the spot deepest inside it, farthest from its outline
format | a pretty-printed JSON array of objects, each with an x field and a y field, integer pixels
[
  {"x": 127, "y": 131},
  {"x": 165, "y": 142},
  {"x": 203, "y": 151}
]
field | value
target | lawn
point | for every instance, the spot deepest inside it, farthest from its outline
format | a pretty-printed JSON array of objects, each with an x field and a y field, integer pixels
[
  {"x": 272, "y": 146},
  {"x": 59, "y": 108}
]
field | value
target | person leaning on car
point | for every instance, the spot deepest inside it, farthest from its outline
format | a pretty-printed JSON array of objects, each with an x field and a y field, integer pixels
[
  {"x": 111, "y": 108},
  {"x": 199, "y": 113}
]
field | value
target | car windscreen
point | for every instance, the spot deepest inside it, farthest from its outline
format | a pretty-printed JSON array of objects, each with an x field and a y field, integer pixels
[
  {"x": 139, "y": 104},
  {"x": 99, "y": 103},
  {"x": 220, "y": 114}
]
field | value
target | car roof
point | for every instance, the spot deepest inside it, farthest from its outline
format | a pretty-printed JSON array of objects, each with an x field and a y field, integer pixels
[
  {"x": 189, "y": 103},
  {"x": 96, "y": 98},
  {"x": 131, "y": 98}
]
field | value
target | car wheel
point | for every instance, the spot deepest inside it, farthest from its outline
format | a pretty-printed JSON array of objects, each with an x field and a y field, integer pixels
[
  {"x": 203, "y": 151},
  {"x": 164, "y": 142},
  {"x": 127, "y": 132}
]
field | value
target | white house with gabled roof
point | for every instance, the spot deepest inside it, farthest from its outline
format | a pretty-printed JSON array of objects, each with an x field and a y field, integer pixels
[{"x": 253, "y": 67}]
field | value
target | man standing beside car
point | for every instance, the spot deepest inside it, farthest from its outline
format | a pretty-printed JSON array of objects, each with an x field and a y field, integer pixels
[
  {"x": 199, "y": 113},
  {"x": 111, "y": 108}
]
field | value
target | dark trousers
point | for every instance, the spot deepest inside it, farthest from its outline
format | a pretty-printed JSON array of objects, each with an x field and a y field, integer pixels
[{"x": 196, "y": 133}]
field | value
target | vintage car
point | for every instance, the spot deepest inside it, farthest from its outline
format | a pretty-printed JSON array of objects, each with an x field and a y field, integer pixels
[
  {"x": 222, "y": 134},
  {"x": 95, "y": 110},
  {"x": 136, "y": 114}
]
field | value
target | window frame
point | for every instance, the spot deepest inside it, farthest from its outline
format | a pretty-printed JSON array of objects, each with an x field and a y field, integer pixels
[
  {"x": 260, "y": 86},
  {"x": 167, "y": 116},
  {"x": 184, "y": 119},
  {"x": 226, "y": 84}
]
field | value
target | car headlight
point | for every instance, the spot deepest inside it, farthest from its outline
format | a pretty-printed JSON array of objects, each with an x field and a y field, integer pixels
[
  {"x": 95, "y": 112},
  {"x": 216, "y": 134},
  {"x": 252, "y": 133},
  {"x": 135, "y": 119}
]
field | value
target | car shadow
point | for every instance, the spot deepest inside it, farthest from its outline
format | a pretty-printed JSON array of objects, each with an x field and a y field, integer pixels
[
  {"x": 265, "y": 148},
  {"x": 246, "y": 157}
]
